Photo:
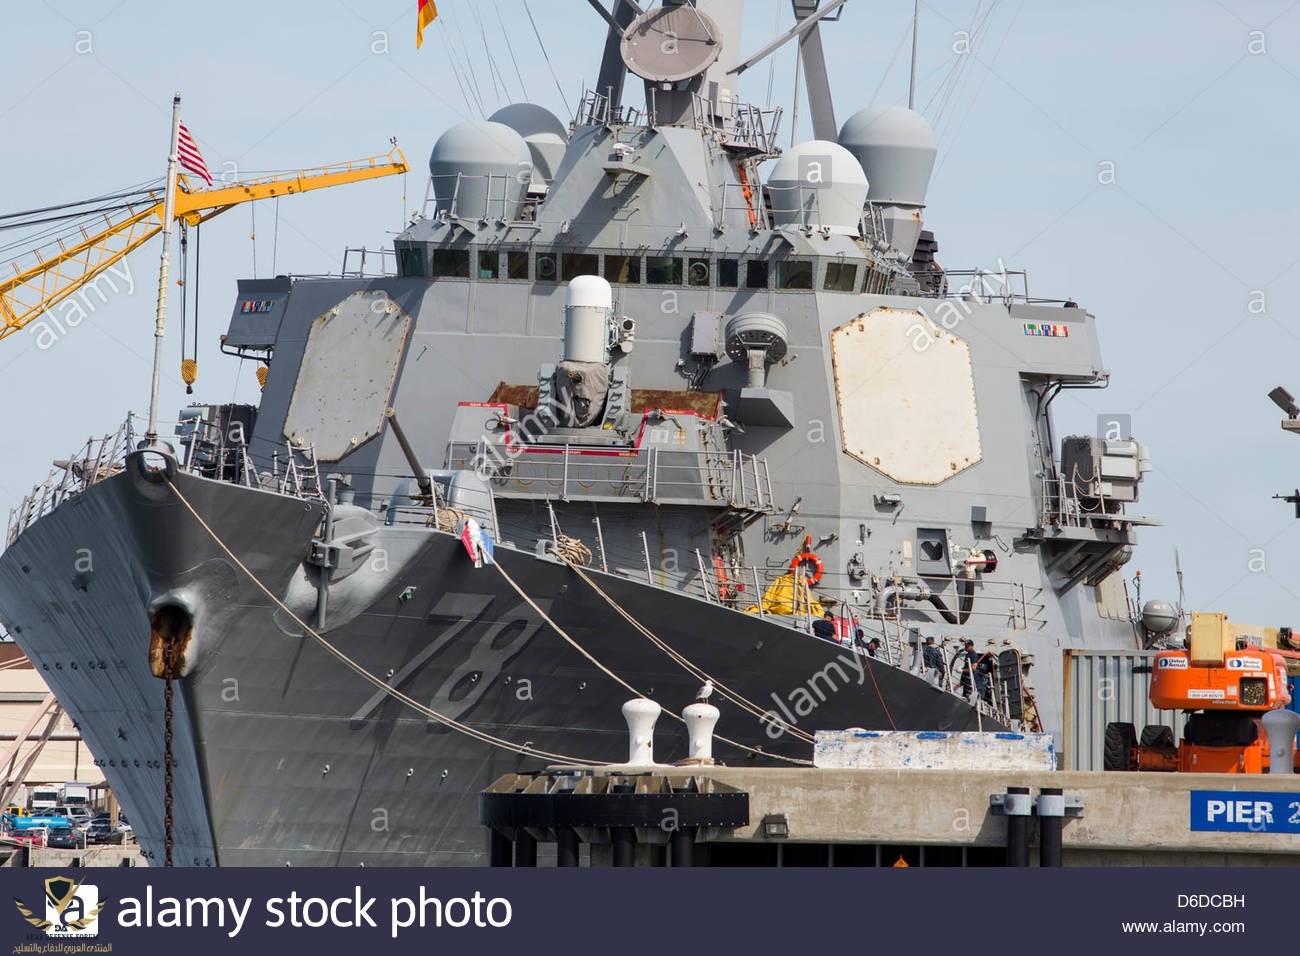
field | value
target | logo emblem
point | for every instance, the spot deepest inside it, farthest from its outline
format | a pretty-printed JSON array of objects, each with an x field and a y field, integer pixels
[{"x": 71, "y": 908}]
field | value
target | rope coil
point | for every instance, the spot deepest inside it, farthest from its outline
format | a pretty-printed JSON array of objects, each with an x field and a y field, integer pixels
[{"x": 571, "y": 551}]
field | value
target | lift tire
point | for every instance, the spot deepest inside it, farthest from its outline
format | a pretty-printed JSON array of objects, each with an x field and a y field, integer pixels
[
  {"x": 1121, "y": 738},
  {"x": 1157, "y": 735}
]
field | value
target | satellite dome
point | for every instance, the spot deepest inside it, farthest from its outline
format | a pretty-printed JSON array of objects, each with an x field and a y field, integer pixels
[
  {"x": 546, "y": 136},
  {"x": 1159, "y": 617},
  {"x": 480, "y": 171},
  {"x": 818, "y": 184},
  {"x": 896, "y": 148}
]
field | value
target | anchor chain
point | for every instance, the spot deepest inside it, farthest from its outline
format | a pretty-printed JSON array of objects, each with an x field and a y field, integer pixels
[{"x": 167, "y": 763}]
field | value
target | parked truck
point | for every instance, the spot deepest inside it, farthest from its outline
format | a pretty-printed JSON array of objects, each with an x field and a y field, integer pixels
[
  {"x": 74, "y": 795},
  {"x": 44, "y": 796}
]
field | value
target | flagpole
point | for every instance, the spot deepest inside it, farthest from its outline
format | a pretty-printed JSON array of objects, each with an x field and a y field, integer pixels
[{"x": 169, "y": 214}]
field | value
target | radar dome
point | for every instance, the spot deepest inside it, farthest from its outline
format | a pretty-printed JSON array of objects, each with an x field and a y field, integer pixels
[
  {"x": 480, "y": 171},
  {"x": 896, "y": 148},
  {"x": 546, "y": 136},
  {"x": 1159, "y": 617},
  {"x": 818, "y": 184}
]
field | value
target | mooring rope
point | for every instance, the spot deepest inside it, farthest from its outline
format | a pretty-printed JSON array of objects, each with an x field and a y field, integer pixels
[
  {"x": 376, "y": 681},
  {"x": 691, "y": 668},
  {"x": 443, "y": 719},
  {"x": 622, "y": 683}
]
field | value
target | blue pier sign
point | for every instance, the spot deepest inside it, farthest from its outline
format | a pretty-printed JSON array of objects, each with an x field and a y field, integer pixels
[{"x": 1239, "y": 811}]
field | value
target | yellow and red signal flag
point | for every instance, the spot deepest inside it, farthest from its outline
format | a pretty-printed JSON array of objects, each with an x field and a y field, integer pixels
[{"x": 428, "y": 12}]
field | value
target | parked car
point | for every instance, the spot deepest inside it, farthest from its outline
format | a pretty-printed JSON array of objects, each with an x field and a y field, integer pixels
[
  {"x": 101, "y": 831},
  {"x": 66, "y": 838},
  {"x": 14, "y": 810},
  {"x": 80, "y": 817},
  {"x": 102, "y": 816}
]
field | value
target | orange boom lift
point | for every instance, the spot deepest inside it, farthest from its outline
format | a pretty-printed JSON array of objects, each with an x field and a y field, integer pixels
[{"x": 1225, "y": 680}]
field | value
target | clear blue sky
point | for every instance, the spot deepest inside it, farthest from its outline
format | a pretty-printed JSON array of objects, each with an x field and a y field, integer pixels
[{"x": 1192, "y": 102}]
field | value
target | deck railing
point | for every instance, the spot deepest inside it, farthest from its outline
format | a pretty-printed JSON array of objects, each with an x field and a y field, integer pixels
[
  {"x": 97, "y": 459},
  {"x": 653, "y": 474}
]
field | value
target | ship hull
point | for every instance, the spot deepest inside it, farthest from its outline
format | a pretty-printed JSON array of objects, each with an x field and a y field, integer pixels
[{"x": 285, "y": 755}]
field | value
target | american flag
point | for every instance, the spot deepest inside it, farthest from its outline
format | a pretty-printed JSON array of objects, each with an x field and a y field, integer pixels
[{"x": 187, "y": 151}]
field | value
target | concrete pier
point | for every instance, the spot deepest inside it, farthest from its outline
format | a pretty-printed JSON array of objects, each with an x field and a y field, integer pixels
[
  {"x": 822, "y": 817},
  {"x": 1129, "y": 819}
]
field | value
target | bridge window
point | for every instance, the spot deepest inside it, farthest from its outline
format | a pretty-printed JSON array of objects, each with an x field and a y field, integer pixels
[
  {"x": 516, "y": 265},
  {"x": 451, "y": 263},
  {"x": 574, "y": 264},
  {"x": 697, "y": 272},
  {"x": 625, "y": 269},
  {"x": 489, "y": 265},
  {"x": 840, "y": 276},
  {"x": 663, "y": 270},
  {"x": 728, "y": 273},
  {"x": 413, "y": 262},
  {"x": 755, "y": 274},
  {"x": 794, "y": 274}
]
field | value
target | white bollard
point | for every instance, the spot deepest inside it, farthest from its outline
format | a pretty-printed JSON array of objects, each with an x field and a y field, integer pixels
[
  {"x": 700, "y": 721},
  {"x": 641, "y": 715},
  {"x": 1281, "y": 726}
]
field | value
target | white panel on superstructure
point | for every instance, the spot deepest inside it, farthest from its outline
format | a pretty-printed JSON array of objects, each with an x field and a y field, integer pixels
[
  {"x": 348, "y": 368},
  {"x": 906, "y": 396}
]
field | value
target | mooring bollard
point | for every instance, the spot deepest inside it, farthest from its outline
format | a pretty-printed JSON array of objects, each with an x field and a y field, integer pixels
[
  {"x": 700, "y": 721},
  {"x": 641, "y": 715},
  {"x": 1281, "y": 725}
]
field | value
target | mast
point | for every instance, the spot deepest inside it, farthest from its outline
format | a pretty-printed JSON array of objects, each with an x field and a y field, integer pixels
[
  {"x": 911, "y": 86},
  {"x": 169, "y": 213}
]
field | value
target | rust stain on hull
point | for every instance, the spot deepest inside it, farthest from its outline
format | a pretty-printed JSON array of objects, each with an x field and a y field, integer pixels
[{"x": 171, "y": 628}]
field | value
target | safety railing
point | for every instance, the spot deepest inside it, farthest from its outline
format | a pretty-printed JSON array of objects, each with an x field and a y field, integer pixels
[
  {"x": 204, "y": 451},
  {"x": 1065, "y": 504},
  {"x": 208, "y": 451},
  {"x": 362, "y": 263},
  {"x": 742, "y": 203},
  {"x": 1007, "y": 604},
  {"x": 479, "y": 198},
  {"x": 653, "y": 474},
  {"x": 97, "y": 459},
  {"x": 744, "y": 125},
  {"x": 1008, "y": 286},
  {"x": 897, "y": 642},
  {"x": 595, "y": 109},
  {"x": 748, "y": 127}
]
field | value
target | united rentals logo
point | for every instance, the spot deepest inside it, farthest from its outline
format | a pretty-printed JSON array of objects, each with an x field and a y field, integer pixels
[{"x": 71, "y": 908}]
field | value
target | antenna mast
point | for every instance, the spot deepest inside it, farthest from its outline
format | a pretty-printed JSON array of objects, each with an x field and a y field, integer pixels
[
  {"x": 911, "y": 86},
  {"x": 169, "y": 213}
]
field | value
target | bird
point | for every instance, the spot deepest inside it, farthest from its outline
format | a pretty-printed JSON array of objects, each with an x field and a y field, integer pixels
[{"x": 702, "y": 695}]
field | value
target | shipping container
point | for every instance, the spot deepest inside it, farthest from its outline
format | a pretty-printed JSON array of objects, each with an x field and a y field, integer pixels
[{"x": 1102, "y": 687}]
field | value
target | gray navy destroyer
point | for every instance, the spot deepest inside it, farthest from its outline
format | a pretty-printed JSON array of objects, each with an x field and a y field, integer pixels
[{"x": 644, "y": 397}]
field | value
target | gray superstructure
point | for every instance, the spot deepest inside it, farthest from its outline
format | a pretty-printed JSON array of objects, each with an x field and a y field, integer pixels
[{"x": 721, "y": 369}]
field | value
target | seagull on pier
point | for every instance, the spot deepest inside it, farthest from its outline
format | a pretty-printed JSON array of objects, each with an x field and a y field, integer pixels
[{"x": 702, "y": 695}]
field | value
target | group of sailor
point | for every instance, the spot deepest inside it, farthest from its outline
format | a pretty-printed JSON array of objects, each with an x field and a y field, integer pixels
[{"x": 976, "y": 669}]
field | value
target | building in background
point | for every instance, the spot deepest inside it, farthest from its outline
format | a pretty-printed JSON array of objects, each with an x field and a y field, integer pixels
[{"x": 63, "y": 757}]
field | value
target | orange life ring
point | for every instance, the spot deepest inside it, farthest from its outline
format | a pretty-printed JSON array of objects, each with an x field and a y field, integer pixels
[{"x": 818, "y": 567}]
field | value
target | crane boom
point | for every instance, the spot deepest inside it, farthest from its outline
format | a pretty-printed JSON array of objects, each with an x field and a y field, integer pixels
[{"x": 81, "y": 257}]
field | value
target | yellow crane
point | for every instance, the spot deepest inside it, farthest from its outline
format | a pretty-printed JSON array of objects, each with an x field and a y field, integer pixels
[{"x": 57, "y": 270}]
